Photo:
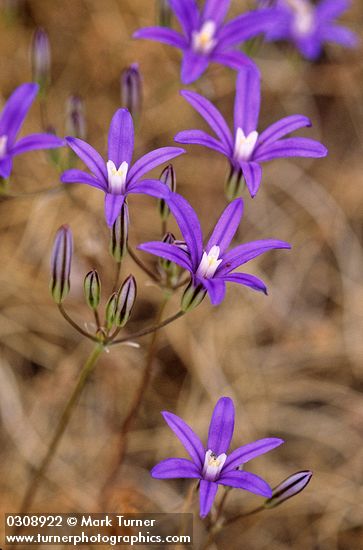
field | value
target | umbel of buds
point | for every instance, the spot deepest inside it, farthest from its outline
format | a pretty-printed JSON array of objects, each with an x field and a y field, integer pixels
[
  {"x": 193, "y": 296},
  {"x": 125, "y": 301},
  {"x": 168, "y": 177},
  {"x": 40, "y": 57},
  {"x": 119, "y": 234},
  {"x": 75, "y": 119},
  {"x": 288, "y": 488},
  {"x": 61, "y": 264},
  {"x": 92, "y": 289},
  {"x": 131, "y": 90}
]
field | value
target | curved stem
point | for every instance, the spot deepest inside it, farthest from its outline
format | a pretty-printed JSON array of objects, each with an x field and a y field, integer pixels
[
  {"x": 61, "y": 426},
  {"x": 75, "y": 326},
  {"x": 239, "y": 516},
  {"x": 142, "y": 265},
  {"x": 149, "y": 330}
]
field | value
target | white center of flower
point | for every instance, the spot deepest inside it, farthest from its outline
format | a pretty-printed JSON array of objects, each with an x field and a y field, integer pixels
[
  {"x": 3, "y": 146},
  {"x": 209, "y": 263},
  {"x": 117, "y": 177},
  {"x": 213, "y": 465},
  {"x": 203, "y": 40},
  {"x": 244, "y": 145},
  {"x": 304, "y": 17}
]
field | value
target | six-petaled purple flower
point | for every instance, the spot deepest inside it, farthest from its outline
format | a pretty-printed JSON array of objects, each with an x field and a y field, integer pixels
[
  {"x": 115, "y": 177},
  {"x": 246, "y": 149},
  {"x": 213, "y": 265},
  {"x": 205, "y": 38},
  {"x": 11, "y": 120},
  {"x": 211, "y": 464},
  {"x": 309, "y": 26}
]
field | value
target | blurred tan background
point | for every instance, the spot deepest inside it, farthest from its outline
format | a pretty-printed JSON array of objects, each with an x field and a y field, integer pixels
[{"x": 291, "y": 361}]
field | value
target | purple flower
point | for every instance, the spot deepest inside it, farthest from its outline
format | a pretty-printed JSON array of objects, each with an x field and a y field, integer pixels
[
  {"x": 246, "y": 149},
  {"x": 309, "y": 26},
  {"x": 11, "y": 120},
  {"x": 213, "y": 265},
  {"x": 205, "y": 38},
  {"x": 211, "y": 464},
  {"x": 115, "y": 177}
]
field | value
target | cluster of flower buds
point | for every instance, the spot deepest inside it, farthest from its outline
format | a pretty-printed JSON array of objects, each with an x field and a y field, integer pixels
[{"x": 120, "y": 304}]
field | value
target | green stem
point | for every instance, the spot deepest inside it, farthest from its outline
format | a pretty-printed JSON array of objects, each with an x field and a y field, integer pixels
[
  {"x": 117, "y": 277},
  {"x": 142, "y": 265},
  {"x": 146, "y": 331},
  {"x": 74, "y": 324}
]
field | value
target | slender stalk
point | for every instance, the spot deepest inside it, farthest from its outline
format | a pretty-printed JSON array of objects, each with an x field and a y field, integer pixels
[
  {"x": 117, "y": 277},
  {"x": 142, "y": 265},
  {"x": 239, "y": 516},
  {"x": 97, "y": 318},
  {"x": 75, "y": 326},
  {"x": 149, "y": 330},
  {"x": 61, "y": 427}
]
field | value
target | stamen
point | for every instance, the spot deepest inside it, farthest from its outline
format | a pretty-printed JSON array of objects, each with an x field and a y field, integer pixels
[
  {"x": 304, "y": 17},
  {"x": 117, "y": 177},
  {"x": 244, "y": 145},
  {"x": 203, "y": 40},
  {"x": 213, "y": 465},
  {"x": 209, "y": 263}
]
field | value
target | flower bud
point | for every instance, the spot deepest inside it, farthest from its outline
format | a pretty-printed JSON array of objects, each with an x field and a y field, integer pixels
[
  {"x": 92, "y": 289},
  {"x": 40, "y": 57},
  {"x": 131, "y": 90},
  {"x": 75, "y": 119},
  {"x": 193, "y": 296},
  {"x": 119, "y": 234},
  {"x": 164, "y": 13},
  {"x": 288, "y": 488},
  {"x": 110, "y": 312},
  {"x": 125, "y": 301},
  {"x": 168, "y": 239},
  {"x": 168, "y": 177},
  {"x": 234, "y": 183},
  {"x": 61, "y": 264}
]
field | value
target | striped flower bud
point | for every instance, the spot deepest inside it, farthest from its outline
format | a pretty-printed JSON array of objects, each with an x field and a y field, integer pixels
[
  {"x": 168, "y": 177},
  {"x": 234, "y": 184},
  {"x": 193, "y": 296},
  {"x": 290, "y": 487},
  {"x": 40, "y": 57},
  {"x": 164, "y": 13},
  {"x": 126, "y": 300},
  {"x": 110, "y": 312},
  {"x": 131, "y": 90},
  {"x": 61, "y": 264},
  {"x": 75, "y": 119},
  {"x": 92, "y": 289},
  {"x": 168, "y": 239},
  {"x": 119, "y": 234}
]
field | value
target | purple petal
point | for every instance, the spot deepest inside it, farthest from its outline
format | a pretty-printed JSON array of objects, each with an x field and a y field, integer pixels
[
  {"x": 78, "y": 176},
  {"x": 291, "y": 147},
  {"x": 247, "y": 101},
  {"x": 90, "y": 157},
  {"x": 310, "y": 46},
  {"x": 151, "y": 160},
  {"x": 6, "y": 165},
  {"x": 226, "y": 226},
  {"x": 221, "y": 426},
  {"x": 189, "y": 226},
  {"x": 187, "y": 14},
  {"x": 216, "y": 289},
  {"x": 113, "y": 205},
  {"x": 211, "y": 115},
  {"x": 250, "y": 451},
  {"x": 37, "y": 141},
  {"x": 15, "y": 111},
  {"x": 215, "y": 10},
  {"x": 330, "y": 9},
  {"x": 187, "y": 437},
  {"x": 161, "y": 34},
  {"x": 198, "y": 137},
  {"x": 247, "y": 280},
  {"x": 247, "y": 481},
  {"x": 245, "y": 252},
  {"x": 207, "y": 494},
  {"x": 154, "y": 188},
  {"x": 193, "y": 65},
  {"x": 174, "y": 468},
  {"x": 169, "y": 252},
  {"x": 245, "y": 26},
  {"x": 340, "y": 35},
  {"x": 281, "y": 128},
  {"x": 252, "y": 173},
  {"x": 121, "y": 138},
  {"x": 233, "y": 59}
]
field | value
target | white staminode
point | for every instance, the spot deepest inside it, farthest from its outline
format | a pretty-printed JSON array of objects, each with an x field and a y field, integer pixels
[
  {"x": 209, "y": 263},
  {"x": 304, "y": 18},
  {"x": 117, "y": 177},
  {"x": 203, "y": 40},
  {"x": 3, "y": 146},
  {"x": 244, "y": 145},
  {"x": 213, "y": 465}
]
